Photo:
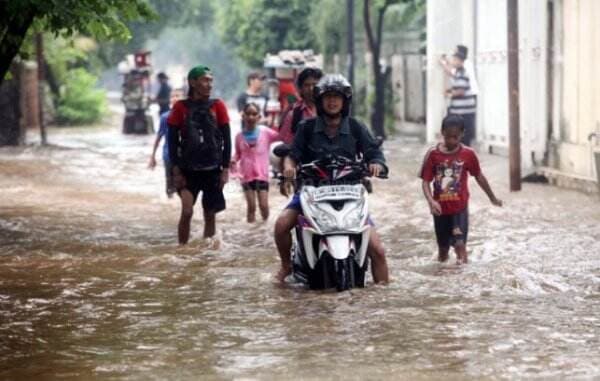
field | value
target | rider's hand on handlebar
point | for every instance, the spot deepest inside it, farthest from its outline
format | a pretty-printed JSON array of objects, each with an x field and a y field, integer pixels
[{"x": 375, "y": 169}]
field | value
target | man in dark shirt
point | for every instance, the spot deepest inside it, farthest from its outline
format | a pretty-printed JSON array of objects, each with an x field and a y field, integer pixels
[
  {"x": 331, "y": 132},
  {"x": 253, "y": 94}
]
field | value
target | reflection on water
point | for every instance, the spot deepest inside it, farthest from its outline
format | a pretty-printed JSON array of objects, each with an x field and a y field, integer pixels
[{"x": 93, "y": 285}]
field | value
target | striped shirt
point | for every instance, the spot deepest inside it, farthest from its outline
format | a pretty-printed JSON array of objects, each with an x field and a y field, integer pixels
[{"x": 462, "y": 104}]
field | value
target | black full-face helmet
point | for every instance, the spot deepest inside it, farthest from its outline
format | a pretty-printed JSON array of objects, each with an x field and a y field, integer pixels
[{"x": 333, "y": 83}]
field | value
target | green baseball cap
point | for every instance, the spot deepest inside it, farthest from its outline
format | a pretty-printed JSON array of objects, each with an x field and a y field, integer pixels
[{"x": 198, "y": 71}]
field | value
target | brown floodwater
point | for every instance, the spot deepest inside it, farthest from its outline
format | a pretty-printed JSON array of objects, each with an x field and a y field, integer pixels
[{"x": 94, "y": 286}]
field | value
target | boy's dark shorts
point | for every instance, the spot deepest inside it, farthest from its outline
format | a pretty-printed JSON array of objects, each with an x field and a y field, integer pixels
[
  {"x": 451, "y": 229},
  {"x": 256, "y": 185},
  {"x": 209, "y": 182}
]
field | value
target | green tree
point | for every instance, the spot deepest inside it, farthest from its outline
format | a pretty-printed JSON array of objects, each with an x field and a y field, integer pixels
[
  {"x": 102, "y": 19},
  {"x": 80, "y": 102},
  {"x": 198, "y": 14},
  {"x": 256, "y": 27},
  {"x": 328, "y": 25}
]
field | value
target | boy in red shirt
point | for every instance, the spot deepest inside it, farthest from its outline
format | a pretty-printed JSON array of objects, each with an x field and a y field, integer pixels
[{"x": 446, "y": 166}]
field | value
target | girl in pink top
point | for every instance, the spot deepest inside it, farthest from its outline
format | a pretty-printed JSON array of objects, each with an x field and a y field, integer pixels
[{"x": 252, "y": 160}]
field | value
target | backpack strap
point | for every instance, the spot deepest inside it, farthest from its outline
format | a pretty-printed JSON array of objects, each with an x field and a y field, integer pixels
[{"x": 296, "y": 118}]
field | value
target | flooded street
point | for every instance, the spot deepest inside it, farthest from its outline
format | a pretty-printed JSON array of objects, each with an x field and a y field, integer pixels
[{"x": 94, "y": 286}]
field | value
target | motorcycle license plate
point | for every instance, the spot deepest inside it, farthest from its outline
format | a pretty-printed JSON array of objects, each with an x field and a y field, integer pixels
[{"x": 337, "y": 192}]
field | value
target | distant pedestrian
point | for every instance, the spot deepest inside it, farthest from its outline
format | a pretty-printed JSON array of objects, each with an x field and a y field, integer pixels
[
  {"x": 163, "y": 96},
  {"x": 163, "y": 131},
  {"x": 447, "y": 166},
  {"x": 200, "y": 150},
  {"x": 254, "y": 93},
  {"x": 252, "y": 157},
  {"x": 303, "y": 108},
  {"x": 462, "y": 93}
]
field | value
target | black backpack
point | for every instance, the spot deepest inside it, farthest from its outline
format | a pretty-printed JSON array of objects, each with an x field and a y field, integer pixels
[
  {"x": 297, "y": 115},
  {"x": 201, "y": 138}
]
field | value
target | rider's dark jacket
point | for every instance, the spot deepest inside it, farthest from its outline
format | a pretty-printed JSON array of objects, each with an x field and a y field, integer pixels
[{"x": 311, "y": 143}]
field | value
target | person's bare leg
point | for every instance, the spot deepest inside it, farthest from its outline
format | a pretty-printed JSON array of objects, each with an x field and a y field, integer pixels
[
  {"x": 461, "y": 253},
  {"x": 263, "y": 204},
  {"x": 443, "y": 253},
  {"x": 187, "y": 211},
  {"x": 250, "y": 205},
  {"x": 209, "y": 224},
  {"x": 283, "y": 239},
  {"x": 375, "y": 250}
]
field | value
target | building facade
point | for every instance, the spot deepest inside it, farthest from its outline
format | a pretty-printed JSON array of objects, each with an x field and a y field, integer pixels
[{"x": 559, "y": 53}]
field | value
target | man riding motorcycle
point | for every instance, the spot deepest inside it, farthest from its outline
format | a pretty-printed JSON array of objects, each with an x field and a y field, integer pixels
[{"x": 333, "y": 131}]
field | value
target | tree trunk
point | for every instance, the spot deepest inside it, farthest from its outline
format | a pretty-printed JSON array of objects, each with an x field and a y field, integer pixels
[
  {"x": 11, "y": 131},
  {"x": 11, "y": 40},
  {"x": 374, "y": 44},
  {"x": 378, "y": 112}
]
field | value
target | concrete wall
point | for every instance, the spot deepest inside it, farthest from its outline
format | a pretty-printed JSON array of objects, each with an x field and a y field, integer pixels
[
  {"x": 481, "y": 25},
  {"x": 580, "y": 98},
  {"x": 448, "y": 23}
]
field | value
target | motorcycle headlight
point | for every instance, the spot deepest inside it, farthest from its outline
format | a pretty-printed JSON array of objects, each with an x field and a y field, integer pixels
[
  {"x": 354, "y": 217},
  {"x": 324, "y": 220},
  {"x": 327, "y": 222}
]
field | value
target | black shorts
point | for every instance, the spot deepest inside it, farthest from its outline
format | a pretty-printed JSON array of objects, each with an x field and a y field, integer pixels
[
  {"x": 256, "y": 185},
  {"x": 451, "y": 229},
  {"x": 209, "y": 182}
]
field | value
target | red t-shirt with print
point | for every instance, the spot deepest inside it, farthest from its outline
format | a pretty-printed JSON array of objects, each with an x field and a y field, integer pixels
[
  {"x": 179, "y": 113},
  {"x": 449, "y": 174}
]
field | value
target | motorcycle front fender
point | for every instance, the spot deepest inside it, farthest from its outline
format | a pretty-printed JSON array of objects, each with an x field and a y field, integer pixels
[{"x": 338, "y": 246}]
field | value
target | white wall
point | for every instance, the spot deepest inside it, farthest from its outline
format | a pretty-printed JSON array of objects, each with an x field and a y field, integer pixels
[
  {"x": 484, "y": 22},
  {"x": 581, "y": 87},
  {"x": 449, "y": 23}
]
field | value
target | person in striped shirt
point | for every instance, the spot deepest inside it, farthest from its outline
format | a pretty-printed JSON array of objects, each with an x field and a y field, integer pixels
[{"x": 463, "y": 99}]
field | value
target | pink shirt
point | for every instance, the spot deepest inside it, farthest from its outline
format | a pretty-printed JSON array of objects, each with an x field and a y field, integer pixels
[
  {"x": 285, "y": 130},
  {"x": 253, "y": 161}
]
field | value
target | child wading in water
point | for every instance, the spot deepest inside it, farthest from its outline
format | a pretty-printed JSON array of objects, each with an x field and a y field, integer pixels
[
  {"x": 446, "y": 165},
  {"x": 252, "y": 154}
]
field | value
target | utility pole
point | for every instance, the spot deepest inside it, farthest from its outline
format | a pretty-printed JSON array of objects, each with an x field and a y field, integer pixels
[
  {"x": 514, "y": 133},
  {"x": 39, "y": 52},
  {"x": 350, "y": 34}
]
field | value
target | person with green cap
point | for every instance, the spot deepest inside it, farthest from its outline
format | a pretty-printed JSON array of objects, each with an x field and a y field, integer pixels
[{"x": 200, "y": 150}]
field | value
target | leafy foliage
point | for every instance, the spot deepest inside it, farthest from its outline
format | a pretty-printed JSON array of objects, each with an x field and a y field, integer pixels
[
  {"x": 101, "y": 19},
  {"x": 328, "y": 24},
  {"x": 173, "y": 13},
  {"x": 255, "y": 27},
  {"x": 80, "y": 102}
]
